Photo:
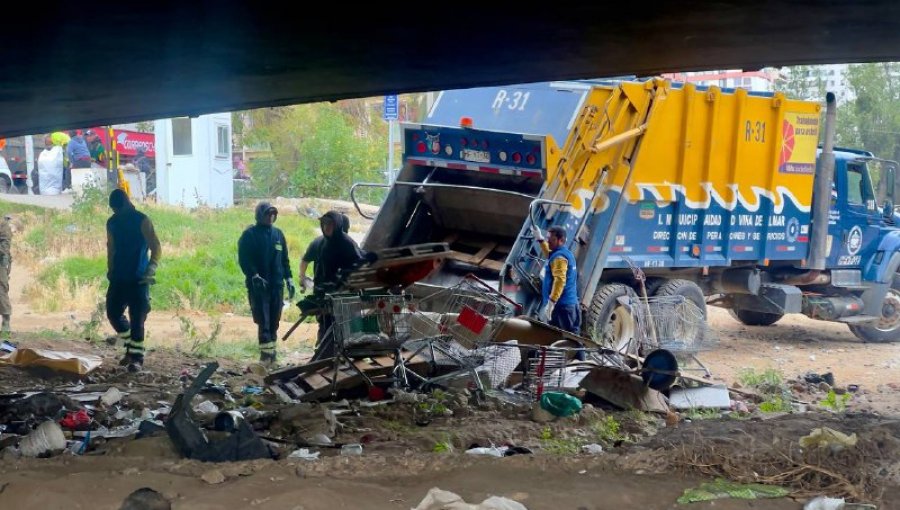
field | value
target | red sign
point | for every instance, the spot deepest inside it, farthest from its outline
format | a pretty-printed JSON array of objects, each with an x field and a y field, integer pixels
[{"x": 128, "y": 142}]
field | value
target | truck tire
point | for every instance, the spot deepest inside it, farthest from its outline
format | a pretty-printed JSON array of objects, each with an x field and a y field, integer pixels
[
  {"x": 608, "y": 322},
  {"x": 5, "y": 184},
  {"x": 888, "y": 328},
  {"x": 752, "y": 318}
]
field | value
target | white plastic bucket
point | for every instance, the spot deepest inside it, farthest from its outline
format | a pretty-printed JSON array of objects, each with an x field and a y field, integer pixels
[{"x": 47, "y": 437}]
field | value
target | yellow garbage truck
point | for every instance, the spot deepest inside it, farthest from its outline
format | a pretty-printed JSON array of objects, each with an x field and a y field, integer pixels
[{"x": 722, "y": 196}]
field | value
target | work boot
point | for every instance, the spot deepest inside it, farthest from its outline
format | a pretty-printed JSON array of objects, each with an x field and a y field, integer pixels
[
  {"x": 267, "y": 359},
  {"x": 136, "y": 365}
]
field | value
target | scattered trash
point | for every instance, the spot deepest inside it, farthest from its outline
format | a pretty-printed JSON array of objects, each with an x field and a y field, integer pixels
[
  {"x": 45, "y": 439},
  {"x": 624, "y": 390},
  {"x": 305, "y": 454},
  {"x": 823, "y": 503},
  {"x": 206, "y": 407},
  {"x": 704, "y": 397},
  {"x": 560, "y": 404},
  {"x": 351, "y": 450},
  {"x": 493, "y": 451},
  {"x": 76, "y": 420},
  {"x": 825, "y": 437},
  {"x": 723, "y": 489},
  {"x": 320, "y": 440},
  {"x": 592, "y": 449},
  {"x": 438, "y": 499},
  {"x": 252, "y": 390},
  {"x": 63, "y": 361},
  {"x": 112, "y": 396},
  {"x": 243, "y": 444},
  {"x": 227, "y": 421},
  {"x": 814, "y": 378},
  {"x": 7, "y": 347}
]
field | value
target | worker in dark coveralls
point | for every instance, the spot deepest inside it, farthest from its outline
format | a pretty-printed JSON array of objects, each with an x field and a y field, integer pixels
[{"x": 263, "y": 257}]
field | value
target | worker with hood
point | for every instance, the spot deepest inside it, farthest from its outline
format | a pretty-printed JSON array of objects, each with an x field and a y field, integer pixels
[
  {"x": 132, "y": 255},
  {"x": 263, "y": 257},
  {"x": 338, "y": 253}
]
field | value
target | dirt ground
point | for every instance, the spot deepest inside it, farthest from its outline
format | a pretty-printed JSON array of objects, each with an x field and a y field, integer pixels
[{"x": 398, "y": 466}]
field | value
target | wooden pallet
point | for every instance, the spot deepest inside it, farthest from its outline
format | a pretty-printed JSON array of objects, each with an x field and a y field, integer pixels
[
  {"x": 396, "y": 260},
  {"x": 315, "y": 381}
]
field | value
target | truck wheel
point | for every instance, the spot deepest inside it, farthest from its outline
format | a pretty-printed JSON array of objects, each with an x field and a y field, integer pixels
[
  {"x": 5, "y": 184},
  {"x": 888, "y": 328},
  {"x": 688, "y": 330},
  {"x": 752, "y": 318},
  {"x": 610, "y": 323}
]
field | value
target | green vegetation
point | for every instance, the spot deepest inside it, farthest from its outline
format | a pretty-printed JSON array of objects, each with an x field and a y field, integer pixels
[
  {"x": 199, "y": 269},
  {"x": 834, "y": 402},
  {"x": 768, "y": 377}
]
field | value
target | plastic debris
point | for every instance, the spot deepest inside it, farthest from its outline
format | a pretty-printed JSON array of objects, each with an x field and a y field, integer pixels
[
  {"x": 206, "y": 407},
  {"x": 592, "y": 449},
  {"x": 438, "y": 499},
  {"x": 560, "y": 404},
  {"x": 305, "y": 454},
  {"x": 46, "y": 438},
  {"x": 112, "y": 396},
  {"x": 723, "y": 489},
  {"x": 825, "y": 437},
  {"x": 352, "y": 450},
  {"x": 493, "y": 451}
]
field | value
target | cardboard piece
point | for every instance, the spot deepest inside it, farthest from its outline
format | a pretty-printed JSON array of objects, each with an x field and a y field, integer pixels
[{"x": 62, "y": 361}]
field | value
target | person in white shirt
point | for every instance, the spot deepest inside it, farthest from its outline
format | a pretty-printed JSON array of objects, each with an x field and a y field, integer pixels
[{"x": 50, "y": 168}]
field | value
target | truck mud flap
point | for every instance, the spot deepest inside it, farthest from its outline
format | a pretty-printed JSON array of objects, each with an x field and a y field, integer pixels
[
  {"x": 773, "y": 298},
  {"x": 242, "y": 444}
]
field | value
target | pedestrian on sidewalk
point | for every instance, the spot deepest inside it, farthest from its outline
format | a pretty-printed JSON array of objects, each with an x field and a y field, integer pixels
[{"x": 131, "y": 270}]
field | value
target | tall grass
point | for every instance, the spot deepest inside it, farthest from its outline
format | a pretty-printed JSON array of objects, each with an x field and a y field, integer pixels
[{"x": 199, "y": 268}]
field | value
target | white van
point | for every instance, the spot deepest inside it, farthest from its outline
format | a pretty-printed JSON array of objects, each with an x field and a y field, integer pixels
[{"x": 5, "y": 176}]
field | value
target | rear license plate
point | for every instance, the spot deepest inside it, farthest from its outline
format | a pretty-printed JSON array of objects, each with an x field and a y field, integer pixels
[{"x": 476, "y": 156}]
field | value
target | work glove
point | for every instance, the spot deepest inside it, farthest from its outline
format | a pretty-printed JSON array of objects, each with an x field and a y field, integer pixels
[
  {"x": 290, "y": 287},
  {"x": 149, "y": 277},
  {"x": 259, "y": 283},
  {"x": 306, "y": 283},
  {"x": 547, "y": 311},
  {"x": 538, "y": 235}
]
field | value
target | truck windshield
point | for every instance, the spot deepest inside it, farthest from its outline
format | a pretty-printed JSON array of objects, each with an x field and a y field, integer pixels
[{"x": 534, "y": 109}]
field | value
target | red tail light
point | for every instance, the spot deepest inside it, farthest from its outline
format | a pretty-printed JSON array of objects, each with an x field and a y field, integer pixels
[
  {"x": 530, "y": 159},
  {"x": 463, "y": 142},
  {"x": 484, "y": 144},
  {"x": 516, "y": 158},
  {"x": 420, "y": 147}
]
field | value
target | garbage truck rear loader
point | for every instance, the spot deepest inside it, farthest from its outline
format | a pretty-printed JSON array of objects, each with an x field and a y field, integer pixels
[{"x": 710, "y": 192}]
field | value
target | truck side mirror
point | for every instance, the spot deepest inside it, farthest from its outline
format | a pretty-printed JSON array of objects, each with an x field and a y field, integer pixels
[{"x": 891, "y": 182}]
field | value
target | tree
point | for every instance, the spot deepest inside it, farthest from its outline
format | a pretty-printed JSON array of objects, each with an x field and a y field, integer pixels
[
  {"x": 871, "y": 121},
  {"x": 318, "y": 149},
  {"x": 802, "y": 82}
]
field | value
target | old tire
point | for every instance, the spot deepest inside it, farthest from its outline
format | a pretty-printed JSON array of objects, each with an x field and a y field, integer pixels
[
  {"x": 752, "y": 318},
  {"x": 888, "y": 328},
  {"x": 608, "y": 322}
]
